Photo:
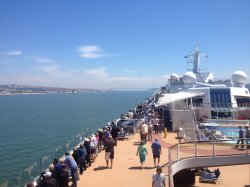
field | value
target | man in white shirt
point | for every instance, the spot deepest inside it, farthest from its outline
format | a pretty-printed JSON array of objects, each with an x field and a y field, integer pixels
[{"x": 144, "y": 132}]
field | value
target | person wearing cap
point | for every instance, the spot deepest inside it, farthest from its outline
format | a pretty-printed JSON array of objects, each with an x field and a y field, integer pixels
[
  {"x": 48, "y": 181},
  {"x": 87, "y": 147},
  {"x": 93, "y": 145},
  {"x": 158, "y": 178},
  {"x": 109, "y": 151},
  {"x": 106, "y": 133}
]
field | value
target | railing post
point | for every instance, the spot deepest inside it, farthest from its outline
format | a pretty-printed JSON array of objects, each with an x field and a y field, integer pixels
[
  {"x": 178, "y": 152},
  {"x": 40, "y": 165},
  {"x": 195, "y": 149},
  {"x": 247, "y": 144},
  {"x": 213, "y": 150},
  {"x": 23, "y": 177},
  {"x": 170, "y": 173}
]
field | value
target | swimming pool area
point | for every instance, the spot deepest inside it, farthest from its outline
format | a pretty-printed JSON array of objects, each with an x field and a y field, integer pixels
[{"x": 224, "y": 131}]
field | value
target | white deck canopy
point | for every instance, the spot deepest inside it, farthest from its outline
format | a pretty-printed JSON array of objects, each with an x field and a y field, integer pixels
[{"x": 172, "y": 97}]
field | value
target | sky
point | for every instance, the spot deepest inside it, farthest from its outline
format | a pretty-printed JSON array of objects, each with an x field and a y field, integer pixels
[{"x": 114, "y": 44}]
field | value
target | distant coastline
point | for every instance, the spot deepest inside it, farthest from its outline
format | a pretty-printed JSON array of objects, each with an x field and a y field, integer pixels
[{"x": 14, "y": 89}]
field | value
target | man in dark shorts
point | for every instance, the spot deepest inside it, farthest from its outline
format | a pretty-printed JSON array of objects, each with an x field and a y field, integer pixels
[
  {"x": 109, "y": 144},
  {"x": 241, "y": 136},
  {"x": 156, "y": 150}
]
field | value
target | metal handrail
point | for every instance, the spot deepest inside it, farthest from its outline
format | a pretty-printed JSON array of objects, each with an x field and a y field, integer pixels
[{"x": 177, "y": 147}]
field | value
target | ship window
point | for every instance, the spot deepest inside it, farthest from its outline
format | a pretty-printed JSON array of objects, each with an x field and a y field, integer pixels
[
  {"x": 216, "y": 115},
  {"x": 242, "y": 101},
  {"x": 220, "y": 97},
  {"x": 197, "y": 101}
]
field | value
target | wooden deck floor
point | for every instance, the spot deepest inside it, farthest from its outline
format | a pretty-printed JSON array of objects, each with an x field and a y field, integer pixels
[{"x": 126, "y": 170}]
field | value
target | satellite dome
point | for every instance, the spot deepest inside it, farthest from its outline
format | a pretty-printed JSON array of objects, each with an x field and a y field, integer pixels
[
  {"x": 174, "y": 76},
  {"x": 189, "y": 78},
  {"x": 239, "y": 77}
]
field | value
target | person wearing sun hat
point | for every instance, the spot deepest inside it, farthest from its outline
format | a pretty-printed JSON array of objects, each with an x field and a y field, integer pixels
[
  {"x": 48, "y": 181},
  {"x": 87, "y": 147}
]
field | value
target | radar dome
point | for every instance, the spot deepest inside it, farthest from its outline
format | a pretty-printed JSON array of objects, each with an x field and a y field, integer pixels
[
  {"x": 189, "y": 78},
  {"x": 239, "y": 77},
  {"x": 174, "y": 76}
]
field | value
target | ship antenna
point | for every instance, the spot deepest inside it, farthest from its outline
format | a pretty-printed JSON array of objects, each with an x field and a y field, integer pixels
[{"x": 194, "y": 58}]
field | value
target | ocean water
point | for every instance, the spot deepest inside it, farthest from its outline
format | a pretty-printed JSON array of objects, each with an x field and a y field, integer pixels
[{"x": 34, "y": 125}]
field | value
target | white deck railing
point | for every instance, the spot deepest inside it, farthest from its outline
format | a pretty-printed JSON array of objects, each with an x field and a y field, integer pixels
[{"x": 206, "y": 154}]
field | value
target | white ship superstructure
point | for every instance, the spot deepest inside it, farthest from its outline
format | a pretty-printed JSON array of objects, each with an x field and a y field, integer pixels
[{"x": 196, "y": 95}]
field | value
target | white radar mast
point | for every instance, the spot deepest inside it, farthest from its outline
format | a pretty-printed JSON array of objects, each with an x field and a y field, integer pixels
[{"x": 195, "y": 58}]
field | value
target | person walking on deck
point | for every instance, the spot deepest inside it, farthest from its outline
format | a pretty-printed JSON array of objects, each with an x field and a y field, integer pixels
[
  {"x": 241, "y": 136},
  {"x": 150, "y": 131},
  {"x": 142, "y": 152},
  {"x": 165, "y": 132},
  {"x": 109, "y": 151},
  {"x": 144, "y": 132},
  {"x": 156, "y": 150},
  {"x": 158, "y": 178}
]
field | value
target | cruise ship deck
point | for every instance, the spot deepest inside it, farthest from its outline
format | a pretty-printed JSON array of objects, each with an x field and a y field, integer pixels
[{"x": 126, "y": 168}]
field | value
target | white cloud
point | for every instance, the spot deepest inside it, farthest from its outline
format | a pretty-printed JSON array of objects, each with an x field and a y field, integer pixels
[
  {"x": 98, "y": 73},
  {"x": 12, "y": 53},
  {"x": 43, "y": 60},
  {"x": 99, "y": 78},
  {"x": 74, "y": 71},
  {"x": 49, "y": 68},
  {"x": 165, "y": 77},
  {"x": 91, "y": 52},
  {"x": 129, "y": 70},
  {"x": 46, "y": 64}
]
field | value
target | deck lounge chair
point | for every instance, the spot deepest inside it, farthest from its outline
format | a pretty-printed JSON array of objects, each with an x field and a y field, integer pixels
[{"x": 208, "y": 177}]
